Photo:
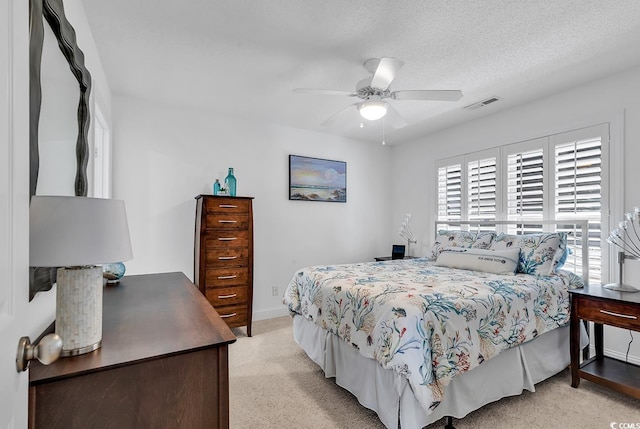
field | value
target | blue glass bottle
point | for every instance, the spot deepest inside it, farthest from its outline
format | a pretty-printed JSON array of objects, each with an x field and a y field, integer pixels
[
  {"x": 230, "y": 183},
  {"x": 216, "y": 187}
]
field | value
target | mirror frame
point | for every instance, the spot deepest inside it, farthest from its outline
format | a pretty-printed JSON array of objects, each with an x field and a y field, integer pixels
[{"x": 41, "y": 279}]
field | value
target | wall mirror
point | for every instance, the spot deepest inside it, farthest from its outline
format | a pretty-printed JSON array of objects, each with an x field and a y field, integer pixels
[{"x": 59, "y": 91}]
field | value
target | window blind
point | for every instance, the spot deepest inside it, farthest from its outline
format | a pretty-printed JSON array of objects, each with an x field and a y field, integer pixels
[
  {"x": 450, "y": 192},
  {"x": 481, "y": 189},
  {"x": 578, "y": 195}
]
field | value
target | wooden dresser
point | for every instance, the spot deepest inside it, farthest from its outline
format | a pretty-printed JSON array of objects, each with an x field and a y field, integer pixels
[
  {"x": 163, "y": 364},
  {"x": 223, "y": 256}
]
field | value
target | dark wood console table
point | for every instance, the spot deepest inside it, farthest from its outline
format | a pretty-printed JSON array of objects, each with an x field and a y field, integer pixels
[
  {"x": 163, "y": 364},
  {"x": 604, "y": 307}
]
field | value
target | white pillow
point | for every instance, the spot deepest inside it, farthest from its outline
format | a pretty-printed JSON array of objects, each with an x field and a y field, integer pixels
[{"x": 488, "y": 261}]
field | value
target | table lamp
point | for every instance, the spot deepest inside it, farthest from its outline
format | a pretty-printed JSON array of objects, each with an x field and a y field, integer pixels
[
  {"x": 627, "y": 239},
  {"x": 75, "y": 234}
]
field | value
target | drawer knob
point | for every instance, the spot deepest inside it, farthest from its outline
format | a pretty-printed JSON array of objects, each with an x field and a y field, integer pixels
[
  {"x": 226, "y": 258},
  {"x": 233, "y": 295},
  {"x": 228, "y": 221},
  {"x": 626, "y": 316},
  {"x": 228, "y": 315},
  {"x": 227, "y": 206},
  {"x": 227, "y": 238},
  {"x": 227, "y": 277}
]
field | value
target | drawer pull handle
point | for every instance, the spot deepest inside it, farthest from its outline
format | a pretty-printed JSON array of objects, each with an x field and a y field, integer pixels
[
  {"x": 227, "y": 238},
  {"x": 227, "y": 277},
  {"x": 227, "y": 258},
  {"x": 233, "y": 295},
  {"x": 227, "y": 221},
  {"x": 227, "y": 206},
  {"x": 228, "y": 315},
  {"x": 611, "y": 313}
]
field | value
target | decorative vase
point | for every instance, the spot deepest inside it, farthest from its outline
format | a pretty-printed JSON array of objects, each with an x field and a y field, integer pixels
[
  {"x": 216, "y": 187},
  {"x": 230, "y": 183},
  {"x": 112, "y": 273}
]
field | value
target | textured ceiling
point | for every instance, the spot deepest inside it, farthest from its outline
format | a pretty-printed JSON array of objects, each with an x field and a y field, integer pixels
[{"x": 244, "y": 57}]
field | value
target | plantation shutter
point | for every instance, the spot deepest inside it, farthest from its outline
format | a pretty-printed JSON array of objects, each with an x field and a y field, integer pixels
[
  {"x": 450, "y": 192},
  {"x": 578, "y": 190},
  {"x": 481, "y": 189},
  {"x": 525, "y": 185}
]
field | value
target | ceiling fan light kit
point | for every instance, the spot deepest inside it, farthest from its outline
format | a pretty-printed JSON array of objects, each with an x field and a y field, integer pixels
[
  {"x": 373, "y": 110},
  {"x": 375, "y": 88}
]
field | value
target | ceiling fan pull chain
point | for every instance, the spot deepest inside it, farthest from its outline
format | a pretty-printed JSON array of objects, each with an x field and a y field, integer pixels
[{"x": 383, "y": 142}]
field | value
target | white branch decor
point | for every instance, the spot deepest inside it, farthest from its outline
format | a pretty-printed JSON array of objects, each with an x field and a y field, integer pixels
[
  {"x": 626, "y": 238},
  {"x": 405, "y": 232}
]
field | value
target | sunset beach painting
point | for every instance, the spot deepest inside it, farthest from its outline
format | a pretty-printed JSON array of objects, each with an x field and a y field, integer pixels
[{"x": 314, "y": 179}]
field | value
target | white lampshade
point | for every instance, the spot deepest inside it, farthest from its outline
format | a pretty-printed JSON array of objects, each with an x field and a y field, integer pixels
[
  {"x": 77, "y": 231},
  {"x": 373, "y": 110},
  {"x": 75, "y": 234}
]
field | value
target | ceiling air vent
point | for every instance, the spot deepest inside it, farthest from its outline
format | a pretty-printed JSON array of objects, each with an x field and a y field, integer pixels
[{"x": 482, "y": 103}]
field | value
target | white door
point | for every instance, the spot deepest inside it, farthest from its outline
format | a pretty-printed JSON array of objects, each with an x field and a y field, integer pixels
[{"x": 14, "y": 206}]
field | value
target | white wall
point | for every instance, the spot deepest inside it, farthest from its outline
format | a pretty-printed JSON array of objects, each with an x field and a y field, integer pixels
[
  {"x": 613, "y": 99},
  {"x": 164, "y": 156}
]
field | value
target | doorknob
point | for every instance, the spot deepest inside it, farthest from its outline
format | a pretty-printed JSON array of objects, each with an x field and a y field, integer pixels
[{"x": 46, "y": 351}]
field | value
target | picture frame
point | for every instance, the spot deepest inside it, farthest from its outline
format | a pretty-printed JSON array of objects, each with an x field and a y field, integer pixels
[{"x": 317, "y": 179}]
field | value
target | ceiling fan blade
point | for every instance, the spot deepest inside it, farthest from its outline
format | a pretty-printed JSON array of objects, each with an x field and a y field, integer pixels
[
  {"x": 437, "y": 95},
  {"x": 394, "y": 118},
  {"x": 385, "y": 72},
  {"x": 323, "y": 92},
  {"x": 332, "y": 120}
]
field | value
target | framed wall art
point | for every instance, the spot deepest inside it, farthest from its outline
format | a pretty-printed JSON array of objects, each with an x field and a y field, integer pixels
[{"x": 315, "y": 179}]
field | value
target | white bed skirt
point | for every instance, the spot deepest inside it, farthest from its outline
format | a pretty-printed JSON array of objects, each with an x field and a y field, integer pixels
[{"x": 391, "y": 397}]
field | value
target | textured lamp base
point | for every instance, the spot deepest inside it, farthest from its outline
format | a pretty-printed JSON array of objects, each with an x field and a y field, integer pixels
[
  {"x": 620, "y": 287},
  {"x": 79, "y": 309}
]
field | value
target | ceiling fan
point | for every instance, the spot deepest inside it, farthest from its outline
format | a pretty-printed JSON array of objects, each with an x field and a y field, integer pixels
[{"x": 373, "y": 90}]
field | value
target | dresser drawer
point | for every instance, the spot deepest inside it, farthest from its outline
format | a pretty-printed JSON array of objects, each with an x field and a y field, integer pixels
[
  {"x": 222, "y": 296},
  {"x": 609, "y": 312},
  {"x": 233, "y": 315},
  {"x": 227, "y": 221},
  {"x": 223, "y": 277},
  {"x": 227, "y": 257},
  {"x": 217, "y": 205},
  {"x": 226, "y": 238}
]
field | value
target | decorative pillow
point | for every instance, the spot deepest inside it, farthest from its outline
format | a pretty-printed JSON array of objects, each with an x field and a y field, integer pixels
[
  {"x": 488, "y": 261},
  {"x": 446, "y": 239},
  {"x": 539, "y": 253},
  {"x": 483, "y": 240}
]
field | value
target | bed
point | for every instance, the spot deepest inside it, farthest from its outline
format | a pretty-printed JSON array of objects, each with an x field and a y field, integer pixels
[{"x": 484, "y": 316}]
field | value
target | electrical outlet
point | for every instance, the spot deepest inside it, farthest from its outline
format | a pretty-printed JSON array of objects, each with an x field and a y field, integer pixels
[{"x": 274, "y": 291}]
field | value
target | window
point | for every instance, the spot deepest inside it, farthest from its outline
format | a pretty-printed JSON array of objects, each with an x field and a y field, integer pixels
[{"x": 558, "y": 177}]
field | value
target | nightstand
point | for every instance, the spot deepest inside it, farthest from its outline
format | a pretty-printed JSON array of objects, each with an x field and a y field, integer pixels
[
  {"x": 388, "y": 258},
  {"x": 604, "y": 307}
]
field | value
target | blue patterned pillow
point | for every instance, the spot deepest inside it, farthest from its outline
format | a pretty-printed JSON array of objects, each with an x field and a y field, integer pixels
[
  {"x": 446, "y": 239},
  {"x": 539, "y": 253}
]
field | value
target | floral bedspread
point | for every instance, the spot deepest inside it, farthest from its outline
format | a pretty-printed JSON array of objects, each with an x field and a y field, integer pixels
[{"x": 426, "y": 322}]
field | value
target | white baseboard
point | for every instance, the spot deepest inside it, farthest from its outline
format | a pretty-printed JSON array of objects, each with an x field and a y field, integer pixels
[
  {"x": 615, "y": 354},
  {"x": 270, "y": 313}
]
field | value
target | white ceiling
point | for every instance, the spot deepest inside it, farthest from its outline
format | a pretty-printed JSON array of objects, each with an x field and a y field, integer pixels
[{"x": 244, "y": 57}]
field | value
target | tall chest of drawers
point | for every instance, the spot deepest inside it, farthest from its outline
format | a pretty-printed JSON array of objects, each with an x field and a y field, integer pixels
[{"x": 223, "y": 256}]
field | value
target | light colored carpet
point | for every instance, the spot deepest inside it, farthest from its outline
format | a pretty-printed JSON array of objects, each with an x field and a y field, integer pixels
[{"x": 273, "y": 384}]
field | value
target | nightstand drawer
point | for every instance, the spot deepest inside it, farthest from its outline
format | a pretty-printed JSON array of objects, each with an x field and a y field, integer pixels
[{"x": 609, "y": 312}]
